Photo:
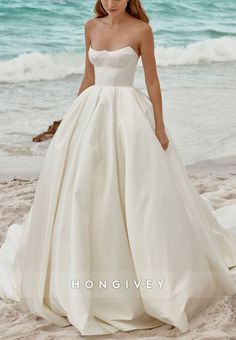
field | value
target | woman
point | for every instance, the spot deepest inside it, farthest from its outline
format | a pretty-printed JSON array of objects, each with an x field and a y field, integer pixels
[{"x": 117, "y": 237}]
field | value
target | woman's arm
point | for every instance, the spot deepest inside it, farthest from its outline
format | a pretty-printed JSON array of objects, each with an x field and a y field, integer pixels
[
  {"x": 89, "y": 77},
  {"x": 152, "y": 81}
]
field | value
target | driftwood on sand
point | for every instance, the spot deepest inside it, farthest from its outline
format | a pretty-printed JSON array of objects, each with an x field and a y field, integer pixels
[{"x": 47, "y": 134}]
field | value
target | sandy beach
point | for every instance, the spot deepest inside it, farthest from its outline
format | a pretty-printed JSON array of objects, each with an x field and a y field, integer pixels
[{"x": 214, "y": 179}]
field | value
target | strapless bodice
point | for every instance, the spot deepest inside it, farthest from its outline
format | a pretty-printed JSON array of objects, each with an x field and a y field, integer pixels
[{"x": 114, "y": 68}]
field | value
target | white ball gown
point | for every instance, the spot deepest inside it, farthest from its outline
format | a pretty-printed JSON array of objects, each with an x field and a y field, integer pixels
[{"x": 112, "y": 206}]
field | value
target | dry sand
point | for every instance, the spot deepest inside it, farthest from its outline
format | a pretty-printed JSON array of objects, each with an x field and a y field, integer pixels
[{"x": 213, "y": 179}]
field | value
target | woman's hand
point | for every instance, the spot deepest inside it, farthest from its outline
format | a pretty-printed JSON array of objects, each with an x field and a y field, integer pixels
[{"x": 162, "y": 137}]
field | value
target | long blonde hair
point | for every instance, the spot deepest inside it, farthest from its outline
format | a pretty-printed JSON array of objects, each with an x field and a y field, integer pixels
[{"x": 133, "y": 7}]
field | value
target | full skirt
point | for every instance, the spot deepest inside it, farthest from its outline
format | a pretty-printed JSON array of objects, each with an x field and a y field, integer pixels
[{"x": 117, "y": 237}]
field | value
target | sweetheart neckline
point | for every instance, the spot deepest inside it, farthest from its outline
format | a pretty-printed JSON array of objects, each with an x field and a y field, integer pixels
[{"x": 118, "y": 49}]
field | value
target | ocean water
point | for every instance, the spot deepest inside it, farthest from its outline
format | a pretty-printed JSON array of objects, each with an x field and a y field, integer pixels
[{"x": 42, "y": 64}]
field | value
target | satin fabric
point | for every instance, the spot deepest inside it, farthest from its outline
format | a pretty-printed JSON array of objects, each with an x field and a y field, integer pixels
[{"x": 111, "y": 204}]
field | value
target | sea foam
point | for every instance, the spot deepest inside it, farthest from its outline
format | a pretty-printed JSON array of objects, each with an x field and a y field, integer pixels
[{"x": 36, "y": 66}]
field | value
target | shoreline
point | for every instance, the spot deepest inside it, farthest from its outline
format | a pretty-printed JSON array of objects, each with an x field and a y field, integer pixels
[
  {"x": 225, "y": 165},
  {"x": 221, "y": 165}
]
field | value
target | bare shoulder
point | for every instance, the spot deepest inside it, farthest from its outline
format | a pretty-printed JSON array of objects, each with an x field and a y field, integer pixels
[
  {"x": 90, "y": 23},
  {"x": 94, "y": 22},
  {"x": 145, "y": 29}
]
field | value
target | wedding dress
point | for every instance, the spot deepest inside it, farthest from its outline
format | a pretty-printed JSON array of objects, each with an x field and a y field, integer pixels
[{"x": 112, "y": 206}]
